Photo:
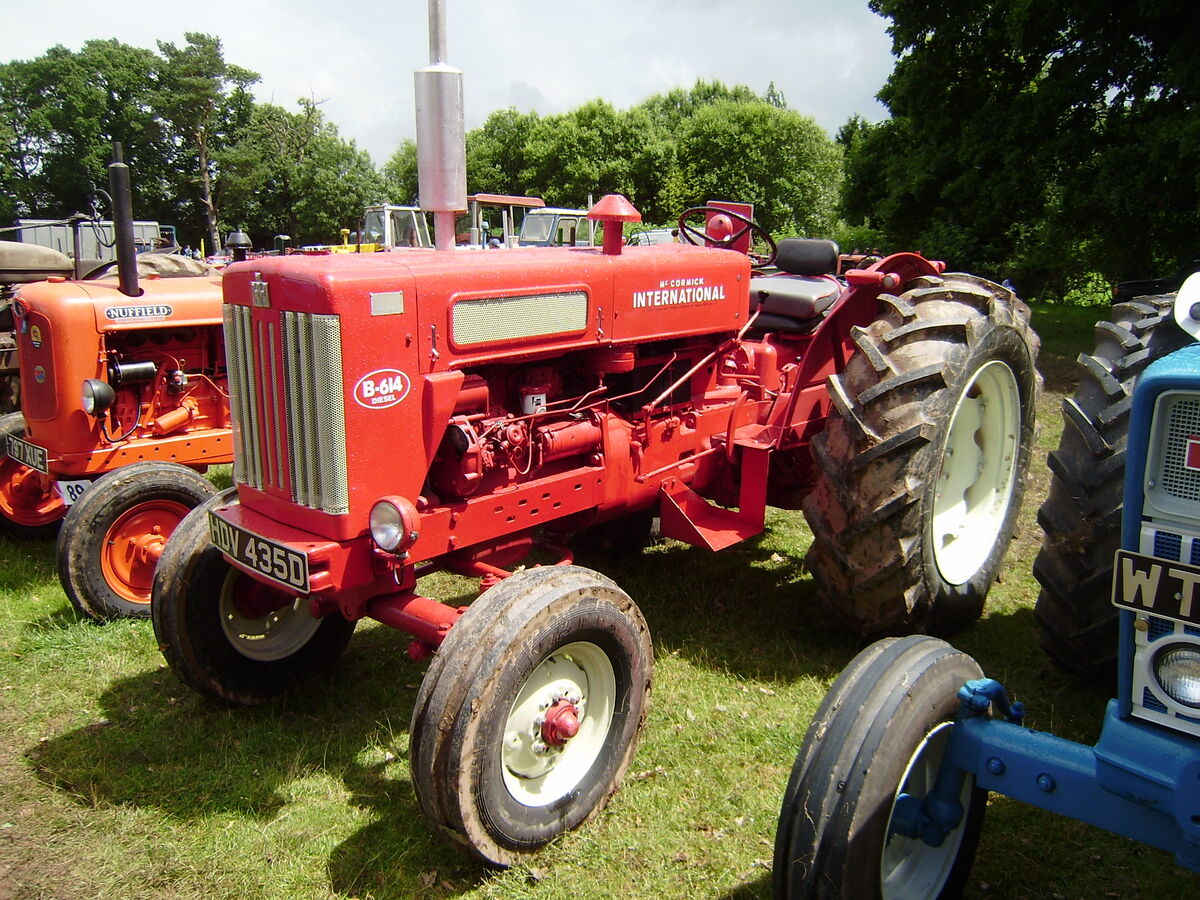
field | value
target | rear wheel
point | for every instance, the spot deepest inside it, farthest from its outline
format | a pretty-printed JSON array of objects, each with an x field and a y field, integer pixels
[
  {"x": 881, "y": 732},
  {"x": 113, "y": 536},
  {"x": 529, "y": 715},
  {"x": 227, "y": 635},
  {"x": 30, "y": 506},
  {"x": 923, "y": 461},
  {"x": 1081, "y": 516}
]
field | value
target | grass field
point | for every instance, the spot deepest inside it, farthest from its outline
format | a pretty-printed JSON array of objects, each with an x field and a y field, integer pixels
[{"x": 118, "y": 782}]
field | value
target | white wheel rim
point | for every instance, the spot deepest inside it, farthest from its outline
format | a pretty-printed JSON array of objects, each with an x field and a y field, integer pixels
[
  {"x": 268, "y": 638},
  {"x": 979, "y": 467},
  {"x": 536, "y": 774},
  {"x": 910, "y": 868}
]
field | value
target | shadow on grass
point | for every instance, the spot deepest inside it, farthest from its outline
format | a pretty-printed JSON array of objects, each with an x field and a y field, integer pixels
[
  {"x": 159, "y": 746},
  {"x": 749, "y": 611}
]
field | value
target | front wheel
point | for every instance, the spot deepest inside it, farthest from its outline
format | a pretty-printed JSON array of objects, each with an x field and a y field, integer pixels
[
  {"x": 880, "y": 733},
  {"x": 227, "y": 635},
  {"x": 923, "y": 461},
  {"x": 529, "y": 715},
  {"x": 113, "y": 536}
]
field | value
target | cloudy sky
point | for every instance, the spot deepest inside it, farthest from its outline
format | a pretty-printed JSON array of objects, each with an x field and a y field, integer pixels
[{"x": 828, "y": 57}]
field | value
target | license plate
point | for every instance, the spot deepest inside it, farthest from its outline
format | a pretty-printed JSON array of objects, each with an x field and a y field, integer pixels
[
  {"x": 28, "y": 454},
  {"x": 279, "y": 563},
  {"x": 1157, "y": 587},
  {"x": 70, "y": 491}
]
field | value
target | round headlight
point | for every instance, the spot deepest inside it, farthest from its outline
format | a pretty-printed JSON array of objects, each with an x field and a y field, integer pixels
[
  {"x": 1177, "y": 669},
  {"x": 393, "y": 524},
  {"x": 98, "y": 396}
]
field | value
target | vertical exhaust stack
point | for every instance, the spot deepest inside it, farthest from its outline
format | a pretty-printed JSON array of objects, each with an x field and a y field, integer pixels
[
  {"x": 122, "y": 197},
  {"x": 441, "y": 134}
]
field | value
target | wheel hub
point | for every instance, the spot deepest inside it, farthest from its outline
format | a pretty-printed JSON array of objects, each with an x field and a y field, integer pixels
[
  {"x": 561, "y": 723},
  {"x": 133, "y": 544},
  {"x": 261, "y": 623},
  {"x": 558, "y": 723},
  {"x": 979, "y": 464}
]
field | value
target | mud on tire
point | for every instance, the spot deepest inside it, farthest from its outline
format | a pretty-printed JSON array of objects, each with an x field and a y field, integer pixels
[
  {"x": 1081, "y": 516},
  {"x": 922, "y": 465}
]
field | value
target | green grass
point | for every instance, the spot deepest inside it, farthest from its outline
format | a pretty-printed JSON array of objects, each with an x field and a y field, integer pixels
[{"x": 118, "y": 782}]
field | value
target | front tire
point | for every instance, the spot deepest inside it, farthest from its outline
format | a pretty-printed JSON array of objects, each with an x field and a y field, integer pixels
[
  {"x": 227, "y": 635},
  {"x": 529, "y": 715},
  {"x": 880, "y": 731},
  {"x": 1081, "y": 516},
  {"x": 112, "y": 538},
  {"x": 923, "y": 461}
]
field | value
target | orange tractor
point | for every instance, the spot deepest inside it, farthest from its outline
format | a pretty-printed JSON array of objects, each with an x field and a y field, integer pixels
[{"x": 124, "y": 399}]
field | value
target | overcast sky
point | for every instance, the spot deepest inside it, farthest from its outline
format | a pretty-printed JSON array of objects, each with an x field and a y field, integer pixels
[{"x": 828, "y": 57}]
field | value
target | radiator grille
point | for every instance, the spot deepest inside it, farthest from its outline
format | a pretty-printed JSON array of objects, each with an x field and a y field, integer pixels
[
  {"x": 1176, "y": 479},
  {"x": 289, "y": 421}
]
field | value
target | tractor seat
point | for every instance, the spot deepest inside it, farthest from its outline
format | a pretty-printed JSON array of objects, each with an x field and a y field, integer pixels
[
  {"x": 789, "y": 302},
  {"x": 793, "y": 299}
]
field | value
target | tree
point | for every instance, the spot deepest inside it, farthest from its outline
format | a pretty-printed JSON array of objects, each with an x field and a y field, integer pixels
[
  {"x": 59, "y": 116},
  {"x": 592, "y": 151},
  {"x": 400, "y": 175},
  {"x": 779, "y": 160},
  {"x": 1038, "y": 139},
  {"x": 205, "y": 101},
  {"x": 291, "y": 173}
]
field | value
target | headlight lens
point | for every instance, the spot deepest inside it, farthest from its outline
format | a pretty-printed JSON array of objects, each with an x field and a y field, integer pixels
[
  {"x": 98, "y": 396},
  {"x": 387, "y": 525},
  {"x": 1177, "y": 669}
]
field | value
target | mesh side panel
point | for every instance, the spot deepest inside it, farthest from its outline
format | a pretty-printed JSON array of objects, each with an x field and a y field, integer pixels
[
  {"x": 1176, "y": 479},
  {"x": 313, "y": 412},
  {"x": 505, "y": 318}
]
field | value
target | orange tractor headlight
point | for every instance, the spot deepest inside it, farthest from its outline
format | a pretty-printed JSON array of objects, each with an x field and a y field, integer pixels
[{"x": 98, "y": 396}]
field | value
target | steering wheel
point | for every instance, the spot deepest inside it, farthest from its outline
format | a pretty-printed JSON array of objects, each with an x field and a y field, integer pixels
[{"x": 699, "y": 238}]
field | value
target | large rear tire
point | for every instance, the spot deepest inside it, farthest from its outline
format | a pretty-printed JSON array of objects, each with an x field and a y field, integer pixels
[
  {"x": 113, "y": 536},
  {"x": 880, "y": 731},
  {"x": 923, "y": 461},
  {"x": 226, "y": 635},
  {"x": 530, "y": 712},
  {"x": 1081, "y": 516}
]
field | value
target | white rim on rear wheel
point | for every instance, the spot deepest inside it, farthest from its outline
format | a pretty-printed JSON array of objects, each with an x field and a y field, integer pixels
[
  {"x": 535, "y": 772},
  {"x": 979, "y": 465},
  {"x": 910, "y": 868},
  {"x": 275, "y": 636}
]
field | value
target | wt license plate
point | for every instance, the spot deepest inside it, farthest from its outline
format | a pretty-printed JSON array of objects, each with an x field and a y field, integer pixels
[
  {"x": 274, "y": 561},
  {"x": 28, "y": 454},
  {"x": 1160, "y": 587}
]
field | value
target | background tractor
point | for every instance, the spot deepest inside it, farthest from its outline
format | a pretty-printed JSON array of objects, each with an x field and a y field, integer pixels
[
  {"x": 124, "y": 404},
  {"x": 888, "y": 792},
  {"x": 400, "y": 414}
]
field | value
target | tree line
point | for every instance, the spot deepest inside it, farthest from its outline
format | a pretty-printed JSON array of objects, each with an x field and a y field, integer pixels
[
  {"x": 1048, "y": 141},
  {"x": 209, "y": 158}
]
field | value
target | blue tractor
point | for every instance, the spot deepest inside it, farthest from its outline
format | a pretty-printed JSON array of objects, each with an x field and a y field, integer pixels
[{"x": 887, "y": 795}]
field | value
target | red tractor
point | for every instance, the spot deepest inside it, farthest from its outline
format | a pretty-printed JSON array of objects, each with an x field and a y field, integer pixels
[
  {"x": 124, "y": 404},
  {"x": 401, "y": 414}
]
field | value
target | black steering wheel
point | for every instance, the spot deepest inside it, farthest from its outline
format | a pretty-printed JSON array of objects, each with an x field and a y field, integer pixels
[{"x": 699, "y": 238}]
